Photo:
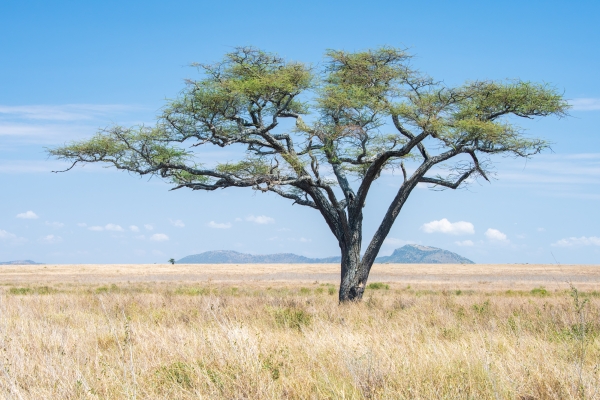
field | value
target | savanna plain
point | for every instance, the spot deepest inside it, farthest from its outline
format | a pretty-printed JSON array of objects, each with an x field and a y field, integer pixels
[{"x": 278, "y": 332}]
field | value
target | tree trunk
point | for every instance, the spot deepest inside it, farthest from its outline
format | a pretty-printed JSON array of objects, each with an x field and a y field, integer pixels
[{"x": 353, "y": 280}]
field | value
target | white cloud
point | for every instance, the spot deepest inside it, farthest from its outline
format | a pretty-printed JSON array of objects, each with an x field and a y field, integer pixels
[
  {"x": 585, "y": 104},
  {"x": 177, "y": 222},
  {"x": 305, "y": 240},
  {"x": 96, "y": 228},
  {"x": 149, "y": 227},
  {"x": 581, "y": 241},
  {"x": 82, "y": 224},
  {"x": 56, "y": 225},
  {"x": 113, "y": 227},
  {"x": 541, "y": 230},
  {"x": 159, "y": 237},
  {"x": 495, "y": 235},
  {"x": 452, "y": 228},
  {"x": 238, "y": 220},
  {"x": 52, "y": 239},
  {"x": 218, "y": 225},
  {"x": 134, "y": 228},
  {"x": 260, "y": 219},
  {"x": 465, "y": 243},
  {"x": 28, "y": 215}
]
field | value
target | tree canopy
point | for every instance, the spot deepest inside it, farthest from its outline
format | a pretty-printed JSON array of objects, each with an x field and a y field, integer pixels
[{"x": 357, "y": 115}]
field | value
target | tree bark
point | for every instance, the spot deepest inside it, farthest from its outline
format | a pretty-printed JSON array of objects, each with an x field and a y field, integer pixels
[
  {"x": 352, "y": 286},
  {"x": 353, "y": 279}
]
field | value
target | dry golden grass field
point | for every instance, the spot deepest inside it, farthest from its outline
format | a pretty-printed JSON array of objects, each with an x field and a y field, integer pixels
[{"x": 277, "y": 332}]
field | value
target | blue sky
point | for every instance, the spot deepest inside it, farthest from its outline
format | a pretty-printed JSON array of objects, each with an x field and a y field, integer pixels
[{"x": 69, "y": 68}]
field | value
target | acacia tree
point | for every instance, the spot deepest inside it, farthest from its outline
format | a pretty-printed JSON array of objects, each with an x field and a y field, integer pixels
[{"x": 360, "y": 114}]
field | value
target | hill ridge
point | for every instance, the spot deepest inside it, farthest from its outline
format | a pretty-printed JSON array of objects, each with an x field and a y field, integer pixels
[
  {"x": 408, "y": 254},
  {"x": 19, "y": 262}
]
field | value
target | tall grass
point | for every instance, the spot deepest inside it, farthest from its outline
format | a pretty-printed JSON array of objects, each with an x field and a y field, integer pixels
[{"x": 214, "y": 342}]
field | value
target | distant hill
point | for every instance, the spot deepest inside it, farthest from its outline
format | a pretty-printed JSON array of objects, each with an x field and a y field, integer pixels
[
  {"x": 417, "y": 254},
  {"x": 233, "y": 257},
  {"x": 19, "y": 262},
  {"x": 409, "y": 254}
]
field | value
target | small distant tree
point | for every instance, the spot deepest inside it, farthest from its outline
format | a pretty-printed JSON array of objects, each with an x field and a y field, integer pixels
[
  {"x": 172, "y": 261},
  {"x": 360, "y": 114}
]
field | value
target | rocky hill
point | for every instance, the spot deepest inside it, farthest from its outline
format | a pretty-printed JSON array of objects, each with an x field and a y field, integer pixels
[
  {"x": 409, "y": 254},
  {"x": 417, "y": 254},
  {"x": 19, "y": 262}
]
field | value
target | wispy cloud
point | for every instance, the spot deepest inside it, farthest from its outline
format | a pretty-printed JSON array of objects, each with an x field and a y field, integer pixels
[
  {"x": 52, "y": 239},
  {"x": 567, "y": 169},
  {"x": 495, "y": 235},
  {"x": 55, "y": 224},
  {"x": 219, "y": 225},
  {"x": 107, "y": 227},
  {"x": 585, "y": 104},
  {"x": 452, "y": 228},
  {"x": 465, "y": 243},
  {"x": 11, "y": 238},
  {"x": 113, "y": 227},
  {"x": 260, "y": 219},
  {"x": 28, "y": 215},
  {"x": 177, "y": 222},
  {"x": 65, "y": 112},
  {"x": 134, "y": 228},
  {"x": 159, "y": 237},
  {"x": 149, "y": 227},
  {"x": 578, "y": 241}
]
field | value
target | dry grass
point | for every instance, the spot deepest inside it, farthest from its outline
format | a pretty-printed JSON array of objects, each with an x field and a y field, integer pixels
[
  {"x": 425, "y": 276},
  {"x": 212, "y": 341}
]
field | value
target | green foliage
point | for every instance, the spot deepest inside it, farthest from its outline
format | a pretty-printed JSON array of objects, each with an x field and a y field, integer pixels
[
  {"x": 20, "y": 290},
  {"x": 192, "y": 291},
  {"x": 291, "y": 317},
  {"x": 482, "y": 309},
  {"x": 36, "y": 290},
  {"x": 541, "y": 291},
  {"x": 378, "y": 286},
  {"x": 241, "y": 99},
  {"x": 177, "y": 373},
  {"x": 108, "y": 289}
]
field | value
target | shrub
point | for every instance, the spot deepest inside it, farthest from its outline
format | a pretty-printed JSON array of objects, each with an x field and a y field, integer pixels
[
  {"x": 178, "y": 373},
  {"x": 20, "y": 290},
  {"x": 291, "y": 317},
  {"x": 541, "y": 291},
  {"x": 304, "y": 290},
  {"x": 378, "y": 285},
  {"x": 192, "y": 291}
]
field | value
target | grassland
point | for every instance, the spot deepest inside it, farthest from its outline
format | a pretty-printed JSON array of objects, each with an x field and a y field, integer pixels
[{"x": 74, "y": 334}]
